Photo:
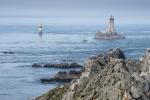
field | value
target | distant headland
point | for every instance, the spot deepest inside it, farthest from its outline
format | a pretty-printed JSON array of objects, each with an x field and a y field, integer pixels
[{"x": 110, "y": 33}]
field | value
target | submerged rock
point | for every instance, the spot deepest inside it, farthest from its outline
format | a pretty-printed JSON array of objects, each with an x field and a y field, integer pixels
[
  {"x": 109, "y": 78},
  {"x": 37, "y": 65},
  {"x": 85, "y": 40},
  {"x": 8, "y": 52}
]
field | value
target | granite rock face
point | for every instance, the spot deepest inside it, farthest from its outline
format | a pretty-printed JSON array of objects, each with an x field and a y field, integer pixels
[
  {"x": 109, "y": 76},
  {"x": 55, "y": 94},
  {"x": 145, "y": 61}
]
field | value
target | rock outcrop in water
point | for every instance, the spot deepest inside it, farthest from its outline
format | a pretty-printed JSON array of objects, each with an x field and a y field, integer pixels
[
  {"x": 108, "y": 76},
  {"x": 109, "y": 36},
  {"x": 61, "y": 65},
  {"x": 8, "y": 52},
  {"x": 62, "y": 77}
]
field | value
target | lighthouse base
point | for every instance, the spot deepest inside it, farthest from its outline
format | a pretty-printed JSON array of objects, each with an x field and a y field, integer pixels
[{"x": 108, "y": 36}]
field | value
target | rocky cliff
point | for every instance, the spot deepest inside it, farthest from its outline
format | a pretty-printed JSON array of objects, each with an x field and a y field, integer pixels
[{"x": 108, "y": 76}]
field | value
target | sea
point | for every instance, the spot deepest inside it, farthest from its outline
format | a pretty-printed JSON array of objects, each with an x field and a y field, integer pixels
[{"x": 57, "y": 44}]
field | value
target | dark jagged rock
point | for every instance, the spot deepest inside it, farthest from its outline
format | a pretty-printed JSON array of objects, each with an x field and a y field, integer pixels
[
  {"x": 116, "y": 53},
  {"x": 62, "y": 77},
  {"x": 8, "y": 52},
  {"x": 61, "y": 65},
  {"x": 111, "y": 54},
  {"x": 111, "y": 78},
  {"x": 61, "y": 73},
  {"x": 73, "y": 72},
  {"x": 36, "y": 65},
  {"x": 56, "y": 80}
]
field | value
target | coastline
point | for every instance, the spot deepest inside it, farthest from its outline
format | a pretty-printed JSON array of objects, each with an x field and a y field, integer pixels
[{"x": 106, "y": 77}]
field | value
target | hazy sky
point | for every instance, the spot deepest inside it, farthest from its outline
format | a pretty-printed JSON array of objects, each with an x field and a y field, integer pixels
[{"x": 126, "y": 11}]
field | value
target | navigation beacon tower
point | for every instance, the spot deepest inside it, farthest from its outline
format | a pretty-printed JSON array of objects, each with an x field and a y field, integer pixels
[
  {"x": 40, "y": 28},
  {"x": 110, "y": 33},
  {"x": 111, "y": 27}
]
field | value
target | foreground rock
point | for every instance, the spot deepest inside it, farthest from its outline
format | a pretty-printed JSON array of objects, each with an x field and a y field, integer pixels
[
  {"x": 62, "y": 77},
  {"x": 55, "y": 94},
  {"x": 61, "y": 65},
  {"x": 108, "y": 77}
]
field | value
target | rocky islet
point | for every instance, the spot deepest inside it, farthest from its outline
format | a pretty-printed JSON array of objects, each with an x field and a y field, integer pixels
[{"x": 60, "y": 65}]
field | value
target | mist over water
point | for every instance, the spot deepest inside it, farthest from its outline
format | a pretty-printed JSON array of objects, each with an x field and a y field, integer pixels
[{"x": 59, "y": 43}]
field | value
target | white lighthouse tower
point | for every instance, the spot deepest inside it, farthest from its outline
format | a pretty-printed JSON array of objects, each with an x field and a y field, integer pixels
[
  {"x": 40, "y": 28},
  {"x": 111, "y": 27}
]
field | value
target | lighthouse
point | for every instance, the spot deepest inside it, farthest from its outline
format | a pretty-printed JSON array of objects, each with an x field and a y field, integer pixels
[
  {"x": 111, "y": 27},
  {"x": 110, "y": 33},
  {"x": 40, "y": 28}
]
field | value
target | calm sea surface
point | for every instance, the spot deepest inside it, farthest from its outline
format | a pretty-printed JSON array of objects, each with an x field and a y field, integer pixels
[{"x": 19, "y": 81}]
